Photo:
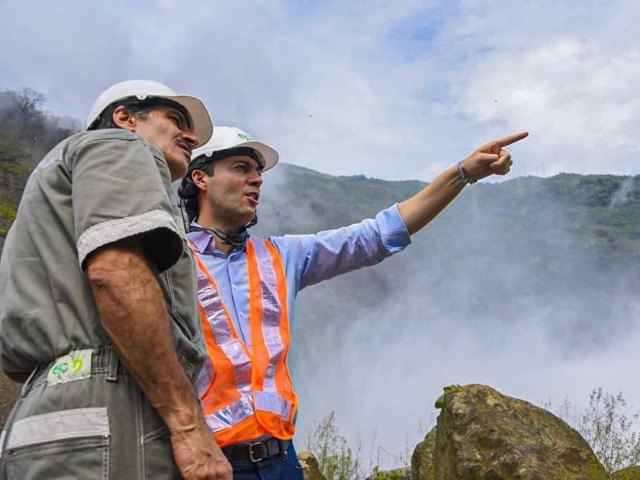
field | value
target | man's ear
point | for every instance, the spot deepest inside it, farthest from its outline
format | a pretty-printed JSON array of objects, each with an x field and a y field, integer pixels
[
  {"x": 123, "y": 118},
  {"x": 200, "y": 180}
]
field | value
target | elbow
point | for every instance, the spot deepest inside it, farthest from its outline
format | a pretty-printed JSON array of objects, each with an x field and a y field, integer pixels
[
  {"x": 113, "y": 265},
  {"x": 100, "y": 270}
]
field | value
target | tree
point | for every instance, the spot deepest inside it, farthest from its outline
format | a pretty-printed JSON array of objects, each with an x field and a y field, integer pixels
[
  {"x": 336, "y": 459},
  {"x": 29, "y": 103},
  {"x": 25, "y": 124},
  {"x": 611, "y": 431},
  {"x": 21, "y": 113},
  {"x": 609, "y": 428}
]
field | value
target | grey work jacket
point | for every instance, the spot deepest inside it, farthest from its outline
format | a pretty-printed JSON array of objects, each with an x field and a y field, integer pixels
[{"x": 92, "y": 189}]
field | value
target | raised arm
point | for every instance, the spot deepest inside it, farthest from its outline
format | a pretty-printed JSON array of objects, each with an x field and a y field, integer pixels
[
  {"x": 489, "y": 159},
  {"x": 133, "y": 313}
]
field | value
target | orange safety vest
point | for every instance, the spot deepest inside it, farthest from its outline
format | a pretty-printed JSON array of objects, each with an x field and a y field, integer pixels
[{"x": 246, "y": 395}]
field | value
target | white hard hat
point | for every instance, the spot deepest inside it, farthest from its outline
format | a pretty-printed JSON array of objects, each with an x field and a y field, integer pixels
[
  {"x": 200, "y": 120},
  {"x": 225, "y": 138}
]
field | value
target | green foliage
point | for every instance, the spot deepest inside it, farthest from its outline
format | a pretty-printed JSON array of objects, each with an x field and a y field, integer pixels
[
  {"x": 8, "y": 210},
  {"x": 629, "y": 473},
  {"x": 336, "y": 459},
  {"x": 610, "y": 429},
  {"x": 26, "y": 133},
  {"x": 440, "y": 401},
  {"x": 12, "y": 168},
  {"x": 393, "y": 475},
  {"x": 11, "y": 151}
]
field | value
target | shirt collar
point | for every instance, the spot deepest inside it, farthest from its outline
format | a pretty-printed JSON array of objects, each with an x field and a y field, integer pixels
[
  {"x": 200, "y": 239},
  {"x": 204, "y": 243}
]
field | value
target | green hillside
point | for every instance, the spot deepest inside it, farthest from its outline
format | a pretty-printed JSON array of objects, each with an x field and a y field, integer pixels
[
  {"x": 601, "y": 212},
  {"x": 26, "y": 133}
]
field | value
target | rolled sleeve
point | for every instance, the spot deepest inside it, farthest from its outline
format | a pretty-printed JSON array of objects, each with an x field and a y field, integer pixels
[
  {"x": 118, "y": 192},
  {"x": 393, "y": 232},
  {"x": 113, "y": 230}
]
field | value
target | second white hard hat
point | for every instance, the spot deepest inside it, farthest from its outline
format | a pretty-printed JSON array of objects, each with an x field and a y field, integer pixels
[
  {"x": 200, "y": 119},
  {"x": 225, "y": 138}
]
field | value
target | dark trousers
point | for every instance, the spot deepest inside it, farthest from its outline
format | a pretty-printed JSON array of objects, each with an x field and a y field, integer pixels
[{"x": 278, "y": 467}]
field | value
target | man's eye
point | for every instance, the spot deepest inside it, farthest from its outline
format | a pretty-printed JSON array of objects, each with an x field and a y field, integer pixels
[{"x": 178, "y": 121}]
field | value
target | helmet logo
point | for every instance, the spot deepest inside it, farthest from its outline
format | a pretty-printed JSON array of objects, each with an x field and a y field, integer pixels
[{"x": 244, "y": 136}]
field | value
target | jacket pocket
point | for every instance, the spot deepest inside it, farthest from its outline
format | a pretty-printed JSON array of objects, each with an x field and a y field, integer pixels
[
  {"x": 60, "y": 445},
  {"x": 159, "y": 463}
]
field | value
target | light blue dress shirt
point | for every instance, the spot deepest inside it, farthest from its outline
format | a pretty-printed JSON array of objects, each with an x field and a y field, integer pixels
[{"x": 308, "y": 259}]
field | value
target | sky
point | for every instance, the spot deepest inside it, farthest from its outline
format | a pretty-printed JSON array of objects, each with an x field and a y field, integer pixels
[{"x": 392, "y": 90}]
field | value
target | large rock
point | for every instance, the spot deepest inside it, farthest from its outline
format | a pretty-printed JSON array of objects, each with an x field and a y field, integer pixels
[
  {"x": 484, "y": 435},
  {"x": 310, "y": 468},
  {"x": 423, "y": 466}
]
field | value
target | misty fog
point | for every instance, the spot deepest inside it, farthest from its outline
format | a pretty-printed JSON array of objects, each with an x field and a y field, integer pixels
[{"x": 497, "y": 290}]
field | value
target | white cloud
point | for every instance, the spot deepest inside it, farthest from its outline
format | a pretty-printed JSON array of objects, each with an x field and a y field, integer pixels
[
  {"x": 391, "y": 91},
  {"x": 565, "y": 71},
  {"x": 572, "y": 94}
]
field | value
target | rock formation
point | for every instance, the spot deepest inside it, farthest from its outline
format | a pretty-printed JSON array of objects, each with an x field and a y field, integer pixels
[
  {"x": 484, "y": 435},
  {"x": 310, "y": 468},
  {"x": 423, "y": 466}
]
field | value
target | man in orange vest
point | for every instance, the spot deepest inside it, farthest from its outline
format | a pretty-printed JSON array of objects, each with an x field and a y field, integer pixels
[{"x": 247, "y": 287}]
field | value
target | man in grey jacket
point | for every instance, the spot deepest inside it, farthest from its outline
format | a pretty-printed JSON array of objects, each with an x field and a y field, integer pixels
[{"x": 97, "y": 301}]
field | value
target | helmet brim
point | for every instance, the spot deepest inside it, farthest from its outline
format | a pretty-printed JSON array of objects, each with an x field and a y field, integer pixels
[
  {"x": 201, "y": 123},
  {"x": 268, "y": 154}
]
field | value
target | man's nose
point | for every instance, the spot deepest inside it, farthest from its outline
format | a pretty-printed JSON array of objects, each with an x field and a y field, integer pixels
[
  {"x": 256, "y": 179},
  {"x": 191, "y": 138}
]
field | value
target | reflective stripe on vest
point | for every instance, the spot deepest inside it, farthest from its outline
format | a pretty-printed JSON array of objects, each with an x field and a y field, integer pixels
[{"x": 247, "y": 394}]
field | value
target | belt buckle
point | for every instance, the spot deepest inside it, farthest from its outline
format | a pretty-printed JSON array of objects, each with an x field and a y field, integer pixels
[{"x": 258, "y": 444}]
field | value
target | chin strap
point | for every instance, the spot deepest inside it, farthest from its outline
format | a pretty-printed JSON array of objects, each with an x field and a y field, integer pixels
[{"x": 237, "y": 240}]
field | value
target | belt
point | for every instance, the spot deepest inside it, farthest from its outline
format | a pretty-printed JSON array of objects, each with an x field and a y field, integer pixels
[{"x": 255, "y": 451}]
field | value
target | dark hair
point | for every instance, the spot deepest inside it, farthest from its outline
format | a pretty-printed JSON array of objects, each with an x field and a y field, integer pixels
[
  {"x": 138, "y": 108},
  {"x": 187, "y": 190}
]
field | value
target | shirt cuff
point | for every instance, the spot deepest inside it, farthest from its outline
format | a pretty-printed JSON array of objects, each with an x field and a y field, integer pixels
[{"x": 393, "y": 231}]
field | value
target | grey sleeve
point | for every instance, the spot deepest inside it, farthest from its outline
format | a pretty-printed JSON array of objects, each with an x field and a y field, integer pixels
[{"x": 118, "y": 191}]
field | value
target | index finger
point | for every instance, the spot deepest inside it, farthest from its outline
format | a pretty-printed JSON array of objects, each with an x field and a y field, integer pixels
[
  {"x": 504, "y": 141},
  {"x": 513, "y": 138}
]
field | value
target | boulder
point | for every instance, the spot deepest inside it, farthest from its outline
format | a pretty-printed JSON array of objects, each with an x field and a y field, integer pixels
[
  {"x": 310, "y": 468},
  {"x": 629, "y": 473},
  {"x": 423, "y": 466},
  {"x": 484, "y": 435}
]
